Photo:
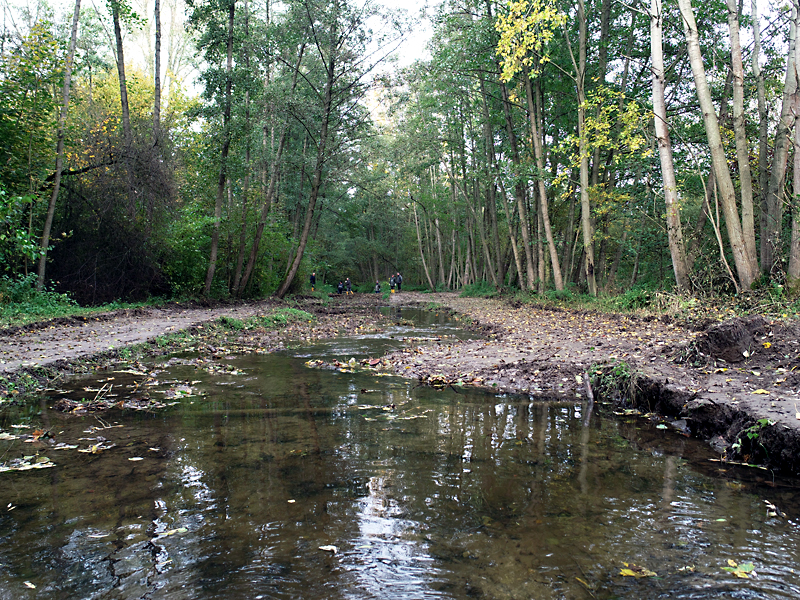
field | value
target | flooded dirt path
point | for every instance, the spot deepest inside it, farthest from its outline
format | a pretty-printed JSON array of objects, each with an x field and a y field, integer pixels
[
  {"x": 271, "y": 477},
  {"x": 527, "y": 349}
]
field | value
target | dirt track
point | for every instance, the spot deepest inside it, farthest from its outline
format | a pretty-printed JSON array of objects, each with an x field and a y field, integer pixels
[{"x": 529, "y": 350}]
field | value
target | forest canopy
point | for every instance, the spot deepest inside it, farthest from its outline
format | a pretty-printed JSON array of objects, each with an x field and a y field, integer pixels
[{"x": 228, "y": 148}]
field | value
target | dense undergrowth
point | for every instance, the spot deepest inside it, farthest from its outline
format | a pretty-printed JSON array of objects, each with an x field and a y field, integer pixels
[
  {"x": 770, "y": 301},
  {"x": 21, "y": 303}
]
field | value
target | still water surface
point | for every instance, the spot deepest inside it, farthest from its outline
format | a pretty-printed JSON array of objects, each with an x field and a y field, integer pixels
[{"x": 447, "y": 495}]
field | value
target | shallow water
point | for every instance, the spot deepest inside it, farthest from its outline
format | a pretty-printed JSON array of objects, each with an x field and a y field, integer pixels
[{"x": 447, "y": 495}]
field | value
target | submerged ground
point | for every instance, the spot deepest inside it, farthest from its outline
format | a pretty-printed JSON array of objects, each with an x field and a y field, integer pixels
[{"x": 736, "y": 384}]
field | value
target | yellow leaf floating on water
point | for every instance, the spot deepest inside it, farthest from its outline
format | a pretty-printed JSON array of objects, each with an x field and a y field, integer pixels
[
  {"x": 636, "y": 571},
  {"x": 760, "y": 391},
  {"x": 741, "y": 571}
]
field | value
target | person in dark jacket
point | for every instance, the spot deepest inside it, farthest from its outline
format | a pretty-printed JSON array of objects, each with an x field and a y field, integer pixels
[
  {"x": 377, "y": 287},
  {"x": 398, "y": 279},
  {"x": 391, "y": 284},
  {"x": 313, "y": 280},
  {"x": 340, "y": 288},
  {"x": 348, "y": 286}
]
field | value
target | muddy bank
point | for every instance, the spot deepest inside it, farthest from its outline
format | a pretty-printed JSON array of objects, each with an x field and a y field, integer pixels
[{"x": 735, "y": 384}]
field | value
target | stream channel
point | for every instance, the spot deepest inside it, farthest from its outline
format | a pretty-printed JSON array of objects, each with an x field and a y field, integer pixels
[{"x": 270, "y": 479}]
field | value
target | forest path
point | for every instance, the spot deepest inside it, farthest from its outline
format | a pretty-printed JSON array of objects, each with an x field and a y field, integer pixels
[{"x": 79, "y": 337}]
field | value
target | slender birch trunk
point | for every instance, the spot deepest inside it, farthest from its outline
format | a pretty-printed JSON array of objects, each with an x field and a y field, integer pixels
[
  {"x": 763, "y": 171},
  {"x": 740, "y": 135},
  {"x": 123, "y": 86},
  {"x": 157, "y": 74},
  {"x": 771, "y": 238},
  {"x": 746, "y": 265},
  {"x": 535, "y": 118},
  {"x": 793, "y": 271},
  {"x": 674, "y": 230}
]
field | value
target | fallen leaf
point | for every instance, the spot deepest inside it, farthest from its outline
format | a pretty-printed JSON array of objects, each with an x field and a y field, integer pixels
[
  {"x": 760, "y": 391},
  {"x": 333, "y": 549},
  {"x": 741, "y": 571},
  {"x": 135, "y": 458},
  {"x": 636, "y": 571},
  {"x": 28, "y": 584}
]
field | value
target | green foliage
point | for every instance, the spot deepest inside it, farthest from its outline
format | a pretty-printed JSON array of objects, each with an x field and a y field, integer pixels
[
  {"x": 29, "y": 78},
  {"x": 281, "y": 318},
  {"x": 616, "y": 381},
  {"x": 633, "y": 299},
  {"x": 750, "y": 435},
  {"x": 21, "y": 302},
  {"x": 17, "y": 243},
  {"x": 480, "y": 289},
  {"x": 565, "y": 296}
]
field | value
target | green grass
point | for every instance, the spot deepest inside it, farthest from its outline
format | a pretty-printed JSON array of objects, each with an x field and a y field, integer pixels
[
  {"x": 21, "y": 304},
  {"x": 480, "y": 289}
]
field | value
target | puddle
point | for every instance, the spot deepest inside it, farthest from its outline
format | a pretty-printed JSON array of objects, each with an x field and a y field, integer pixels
[{"x": 268, "y": 479}]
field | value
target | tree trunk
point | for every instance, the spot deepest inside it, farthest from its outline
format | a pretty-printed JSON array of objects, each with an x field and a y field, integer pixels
[
  {"x": 536, "y": 119},
  {"x": 763, "y": 171},
  {"x": 586, "y": 215},
  {"x": 62, "y": 118},
  {"x": 519, "y": 193},
  {"x": 674, "y": 229},
  {"x": 746, "y": 265},
  {"x": 419, "y": 244},
  {"x": 793, "y": 271},
  {"x": 157, "y": 73},
  {"x": 740, "y": 134},
  {"x": 511, "y": 235},
  {"x": 771, "y": 237},
  {"x": 226, "y": 144},
  {"x": 327, "y": 109},
  {"x": 123, "y": 86},
  {"x": 237, "y": 277}
]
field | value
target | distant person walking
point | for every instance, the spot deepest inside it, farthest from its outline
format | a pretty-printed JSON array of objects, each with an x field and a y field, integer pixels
[
  {"x": 313, "y": 280},
  {"x": 391, "y": 284},
  {"x": 398, "y": 279},
  {"x": 348, "y": 286},
  {"x": 340, "y": 288},
  {"x": 377, "y": 287}
]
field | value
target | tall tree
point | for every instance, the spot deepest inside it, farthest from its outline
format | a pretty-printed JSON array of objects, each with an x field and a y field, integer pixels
[
  {"x": 226, "y": 144},
  {"x": 51, "y": 208},
  {"x": 157, "y": 73},
  {"x": 674, "y": 230},
  {"x": 746, "y": 263},
  {"x": 336, "y": 31}
]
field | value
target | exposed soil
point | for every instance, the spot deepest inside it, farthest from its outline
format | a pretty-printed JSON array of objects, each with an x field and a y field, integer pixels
[{"x": 715, "y": 384}]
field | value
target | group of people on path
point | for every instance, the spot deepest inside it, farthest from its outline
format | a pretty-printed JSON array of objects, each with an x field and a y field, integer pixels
[
  {"x": 395, "y": 280},
  {"x": 346, "y": 286}
]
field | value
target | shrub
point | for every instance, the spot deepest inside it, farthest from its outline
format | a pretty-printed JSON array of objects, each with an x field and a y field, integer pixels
[{"x": 479, "y": 289}]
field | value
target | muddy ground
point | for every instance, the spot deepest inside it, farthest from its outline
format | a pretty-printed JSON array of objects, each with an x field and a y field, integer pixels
[{"x": 736, "y": 384}]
